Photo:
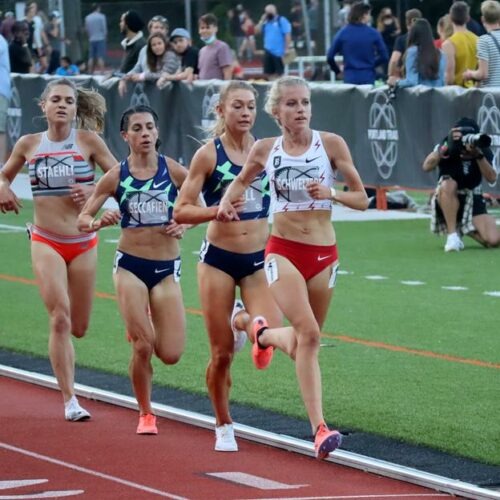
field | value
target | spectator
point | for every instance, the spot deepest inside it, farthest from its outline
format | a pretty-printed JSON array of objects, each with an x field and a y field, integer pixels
[
  {"x": 488, "y": 48},
  {"x": 362, "y": 47},
  {"x": 444, "y": 29},
  {"x": 458, "y": 204},
  {"x": 96, "y": 27},
  {"x": 396, "y": 61},
  {"x": 82, "y": 66},
  {"x": 460, "y": 48},
  {"x": 67, "y": 68},
  {"x": 344, "y": 13},
  {"x": 247, "y": 49},
  {"x": 313, "y": 16},
  {"x": 425, "y": 64},
  {"x": 5, "y": 94},
  {"x": 181, "y": 43},
  {"x": 215, "y": 59},
  {"x": 473, "y": 25},
  {"x": 6, "y": 26},
  {"x": 235, "y": 17},
  {"x": 131, "y": 25},
  {"x": 19, "y": 52},
  {"x": 276, "y": 32},
  {"x": 296, "y": 19},
  {"x": 160, "y": 58},
  {"x": 37, "y": 40},
  {"x": 388, "y": 27},
  {"x": 55, "y": 40}
]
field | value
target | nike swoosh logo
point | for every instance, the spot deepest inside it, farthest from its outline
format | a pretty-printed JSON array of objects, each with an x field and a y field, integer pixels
[
  {"x": 320, "y": 258},
  {"x": 312, "y": 159},
  {"x": 258, "y": 263},
  {"x": 156, "y": 186},
  {"x": 158, "y": 271}
]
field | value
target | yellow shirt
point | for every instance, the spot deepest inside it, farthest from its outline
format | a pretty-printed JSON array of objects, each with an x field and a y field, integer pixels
[{"x": 465, "y": 55}]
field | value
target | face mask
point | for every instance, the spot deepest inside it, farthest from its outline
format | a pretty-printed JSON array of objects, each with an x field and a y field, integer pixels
[
  {"x": 269, "y": 16},
  {"x": 208, "y": 40}
]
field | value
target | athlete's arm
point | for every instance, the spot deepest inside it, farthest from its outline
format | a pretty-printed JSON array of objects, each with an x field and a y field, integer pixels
[
  {"x": 187, "y": 209},
  {"x": 105, "y": 188}
]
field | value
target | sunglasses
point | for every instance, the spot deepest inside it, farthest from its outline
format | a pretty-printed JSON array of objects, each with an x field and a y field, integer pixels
[{"x": 159, "y": 19}]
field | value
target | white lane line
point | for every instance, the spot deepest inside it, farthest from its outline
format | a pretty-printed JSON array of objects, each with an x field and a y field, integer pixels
[
  {"x": 494, "y": 293},
  {"x": 44, "y": 494},
  {"x": 355, "y": 497},
  {"x": 89, "y": 471},
  {"x": 413, "y": 283},
  {"x": 14, "y": 229},
  {"x": 376, "y": 277},
  {"x": 7, "y": 485},
  {"x": 455, "y": 288},
  {"x": 254, "y": 481}
]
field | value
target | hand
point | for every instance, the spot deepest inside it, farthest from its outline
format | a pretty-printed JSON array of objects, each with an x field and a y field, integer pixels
[
  {"x": 108, "y": 218},
  {"x": 122, "y": 87},
  {"x": 80, "y": 193},
  {"x": 136, "y": 77},
  {"x": 9, "y": 202},
  {"x": 176, "y": 230},
  {"x": 392, "y": 81},
  {"x": 227, "y": 212},
  {"x": 318, "y": 192},
  {"x": 468, "y": 74}
]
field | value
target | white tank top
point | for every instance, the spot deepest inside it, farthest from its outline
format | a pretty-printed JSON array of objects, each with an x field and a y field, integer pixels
[
  {"x": 56, "y": 166},
  {"x": 290, "y": 175}
]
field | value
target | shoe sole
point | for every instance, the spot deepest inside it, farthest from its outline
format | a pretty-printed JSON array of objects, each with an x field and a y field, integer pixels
[
  {"x": 149, "y": 432},
  {"x": 331, "y": 443},
  {"x": 226, "y": 449},
  {"x": 79, "y": 418}
]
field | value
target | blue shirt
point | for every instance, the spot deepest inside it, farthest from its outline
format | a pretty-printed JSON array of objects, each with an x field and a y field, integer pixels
[
  {"x": 363, "y": 50},
  {"x": 4, "y": 68},
  {"x": 71, "y": 70},
  {"x": 274, "y": 32},
  {"x": 412, "y": 76}
]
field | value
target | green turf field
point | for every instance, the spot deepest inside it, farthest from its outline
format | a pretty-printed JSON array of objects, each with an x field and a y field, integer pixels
[{"x": 406, "y": 354}]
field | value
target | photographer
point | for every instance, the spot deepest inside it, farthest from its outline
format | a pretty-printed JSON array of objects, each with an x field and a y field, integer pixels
[{"x": 459, "y": 208}]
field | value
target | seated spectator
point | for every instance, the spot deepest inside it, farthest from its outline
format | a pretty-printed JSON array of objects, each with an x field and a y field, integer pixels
[
  {"x": 361, "y": 46},
  {"x": 19, "y": 51},
  {"x": 488, "y": 48},
  {"x": 160, "y": 58},
  {"x": 67, "y": 68},
  {"x": 180, "y": 40},
  {"x": 424, "y": 63}
]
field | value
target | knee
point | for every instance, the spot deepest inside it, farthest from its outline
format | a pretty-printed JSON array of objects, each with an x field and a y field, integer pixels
[
  {"x": 309, "y": 338},
  {"x": 169, "y": 358},
  {"x": 79, "y": 329},
  {"x": 221, "y": 359},
  {"x": 60, "y": 322},
  {"x": 143, "y": 348},
  {"x": 448, "y": 187}
]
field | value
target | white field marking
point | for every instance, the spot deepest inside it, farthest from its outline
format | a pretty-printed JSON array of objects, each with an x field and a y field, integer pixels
[
  {"x": 413, "y": 283},
  {"x": 254, "y": 481},
  {"x": 494, "y": 293},
  {"x": 376, "y": 277},
  {"x": 341, "y": 271},
  {"x": 90, "y": 472},
  {"x": 6, "y": 228},
  {"x": 355, "y": 497},
  {"x": 7, "y": 485},
  {"x": 111, "y": 241},
  {"x": 44, "y": 494},
  {"x": 455, "y": 288}
]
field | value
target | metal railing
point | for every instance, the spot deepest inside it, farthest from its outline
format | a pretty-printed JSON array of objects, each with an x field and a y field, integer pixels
[{"x": 302, "y": 61}]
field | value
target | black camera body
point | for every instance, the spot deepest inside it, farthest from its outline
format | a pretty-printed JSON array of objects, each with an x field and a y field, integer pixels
[{"x": 454, "y": 147}]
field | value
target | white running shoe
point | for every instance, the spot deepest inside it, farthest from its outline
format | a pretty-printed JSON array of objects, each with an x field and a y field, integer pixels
[
  {"x": 74, "y": 412},
  {"x": 453, "y": 243},
  {"x": 224, "y": 438},
  {"x": 240, "y": 336}
]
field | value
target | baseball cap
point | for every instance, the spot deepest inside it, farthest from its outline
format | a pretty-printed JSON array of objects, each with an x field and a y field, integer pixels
[
  {"x": 180, "y": 32},
  {"x": 55, "y": 13}
]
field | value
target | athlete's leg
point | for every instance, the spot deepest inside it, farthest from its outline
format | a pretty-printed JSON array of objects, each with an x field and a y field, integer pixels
[
  {"x": 133, "y": 300},
  {"x": 51, "y": 275},
  {"x": 169, "y": 320},
  {"x": 217, "y": 290}
]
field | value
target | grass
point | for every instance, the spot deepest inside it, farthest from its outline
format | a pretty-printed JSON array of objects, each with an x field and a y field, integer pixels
[{"x": 417, "y": 363}]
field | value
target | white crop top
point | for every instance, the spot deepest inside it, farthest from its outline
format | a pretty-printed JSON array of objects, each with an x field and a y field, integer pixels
[{"x": 290, "y": 175}]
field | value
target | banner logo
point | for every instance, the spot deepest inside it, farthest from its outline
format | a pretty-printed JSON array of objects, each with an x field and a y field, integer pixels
[
  {"x": 138, "y": 96},
  {"x": 383, "y": 134},
  {"x": 208, "y": 114},
  {"x": 14, "y": 118},
  {"x": 488, "y": 119}
]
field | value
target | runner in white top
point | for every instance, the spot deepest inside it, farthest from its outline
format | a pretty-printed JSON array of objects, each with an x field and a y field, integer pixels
[{"x": 301, "y": 254}]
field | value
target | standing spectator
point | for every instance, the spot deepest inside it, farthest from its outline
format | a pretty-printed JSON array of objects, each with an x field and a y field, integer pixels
[
  {"x": 67, "y": 68},
  {"x": 215, "y": 59},
  {"x": 473, "y": 25},
  {"x": 97, "y": 31},
  {"x": 6, "y": 26},
  {"x": 396, "y": 61},
  {"x": 62, "y": 162},
  {"x": 181, "y": 42},
  {"x": 19, "y": 51},
  {"x": 131, "y": 25},
  {"x": 276, "y": 32},
  {"x": 361, "y": 45},
  {"x": 36, "y": 40},
  {"x": 5, "y": 94},
  {"x": 444, "y": 30},
  {"x": 460, "y": 48},
  {"x": 247, "y": 49},
  {"x": 296, "y": 19},
  {"x": 424, "y": 63},
  {"x": 147, "y": 267},
  {"x": 55, "y": 40},
  {"x": 301, "y": 257},
  {"x": 388, "y": 27},
  {"x": 488, "y": 48},
  {"x": 313, "y": 16},
  {"x": 343, "y": 17},
  {"x": 235, "y": 17}
]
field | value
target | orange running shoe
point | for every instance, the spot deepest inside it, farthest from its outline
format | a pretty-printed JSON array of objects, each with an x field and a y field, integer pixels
[
  {"x": 261, "y": 356},
  {"x": 326, "y": 441},
  {"x": 147, "y": 424}
]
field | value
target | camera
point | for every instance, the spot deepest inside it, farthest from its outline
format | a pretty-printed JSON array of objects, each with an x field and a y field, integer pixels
[{"x": 454, "y": 147}]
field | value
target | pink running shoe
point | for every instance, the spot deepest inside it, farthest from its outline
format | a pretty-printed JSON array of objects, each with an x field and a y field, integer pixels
[
  {"x": 147, "y": 424},
  {"x": 261, "y": 356},
  {"x": 326, "y": 441}
]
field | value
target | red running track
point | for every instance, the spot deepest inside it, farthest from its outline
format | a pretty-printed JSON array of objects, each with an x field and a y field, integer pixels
[{"x": 43, "y": 456}]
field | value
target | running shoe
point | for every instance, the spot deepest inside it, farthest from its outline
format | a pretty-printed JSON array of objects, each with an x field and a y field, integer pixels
[
  {"x": 261, "y": 356},
  {"x": 147, "y": 424},
  {"x": 224, "y": 438},
  {"x": 73, "y": 412},
  {"x": 453, "y": 243},
  {"x": 326, "y": 441},
  {"x": 240, "y": 336}
]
